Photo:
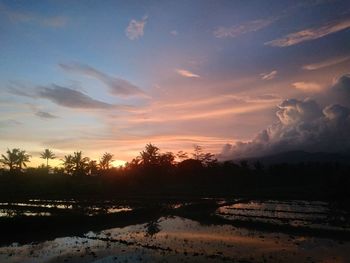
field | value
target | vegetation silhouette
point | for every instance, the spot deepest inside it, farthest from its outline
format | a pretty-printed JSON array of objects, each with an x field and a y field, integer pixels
[
  {"x": 76, "y": 164},
  {"x": 154, "y": 172},
  {"x": 47, "y": 154},
  {"x": 15, "y": 159},
  {"x": 106, "y": 161}
]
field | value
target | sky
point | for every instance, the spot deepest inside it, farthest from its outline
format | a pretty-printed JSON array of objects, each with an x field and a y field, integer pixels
[{"x": 240, "y": 78}]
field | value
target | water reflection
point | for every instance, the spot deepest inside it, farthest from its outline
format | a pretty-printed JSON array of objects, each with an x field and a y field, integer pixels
[
  {"x": 296, "y": 213},
  {"x": 37, "y": 207},
  {"x": 177, "y": 239},
  {"x": 14, "y": 213}
]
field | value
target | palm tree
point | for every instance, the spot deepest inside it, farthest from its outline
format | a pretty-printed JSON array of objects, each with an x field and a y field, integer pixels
[
  {"x": 80, "y": 163},
  {"x": 10, "y": 159},
  {"x": 22, "y": 159},
  {"x": 92, "y": 167},
  {"x": 106, "y": 161},
  {"x": 150, "y": 156},
  {"x": 47, "y": 154},
  {"x": 68, "y": 164}
]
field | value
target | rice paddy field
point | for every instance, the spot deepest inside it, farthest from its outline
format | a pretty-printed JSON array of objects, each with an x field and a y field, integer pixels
[{"x": 198, "y": 230}]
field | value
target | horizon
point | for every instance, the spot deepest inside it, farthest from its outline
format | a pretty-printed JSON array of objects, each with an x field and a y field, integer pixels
[
  {"x": 239, "y": 79},
  {"x": 58, "y": 161}
]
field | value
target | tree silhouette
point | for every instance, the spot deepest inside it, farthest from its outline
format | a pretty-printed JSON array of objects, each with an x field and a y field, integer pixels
[
  {"x": 76, "y": 164},
  {"x": 167, "y": 159},
  {"x": 92, "y": 167},
  {"x": 47, "y": 154},
  {"x": 22, "y": 159},
  {"x": 68, "y": 164},
  {"x": 106, "y": 160},
  {"x": 205, "y": 158},
  {"x": 10, "y": 159},
  {"x": 150, "y": 156},
  {"x": 209, "y": 159},
  {"x": 134, "y": 164},
  {"x": 80, "y": 163},
  {"x": 197, "y": 152},
  {"x": 181, "y": 155},
  {"x": 15, "y": 159}
]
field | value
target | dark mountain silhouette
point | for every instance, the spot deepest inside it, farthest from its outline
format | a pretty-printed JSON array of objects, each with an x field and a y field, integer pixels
[{"x": 294, "y": 157}]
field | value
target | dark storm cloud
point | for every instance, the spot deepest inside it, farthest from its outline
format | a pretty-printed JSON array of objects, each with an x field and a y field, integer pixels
[
  {"x": 303, "y": 125},
  {"x": 117, "y": 86},
  {"x": 341, "y": 90}
]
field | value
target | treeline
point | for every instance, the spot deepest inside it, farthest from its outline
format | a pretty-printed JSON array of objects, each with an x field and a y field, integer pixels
[
  {"x": 166, "y": 173},
  {"x": 15, "y": 161}
]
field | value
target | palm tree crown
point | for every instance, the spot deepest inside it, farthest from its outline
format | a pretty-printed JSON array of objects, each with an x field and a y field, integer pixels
[
  {"x": 15, "y": 159},
  {"x": 23, "y": 158},
  {"x": 47, "y": 154},
  {"x": 106, "y": 161}
]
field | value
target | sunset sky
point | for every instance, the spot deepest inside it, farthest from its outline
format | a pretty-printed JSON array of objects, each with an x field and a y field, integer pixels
[{"x": 112, "y": 76}]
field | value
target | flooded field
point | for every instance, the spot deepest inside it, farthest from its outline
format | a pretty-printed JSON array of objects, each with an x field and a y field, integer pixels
[
  {"x": 207, "y": 230},
  {"x": 59, "y": 207},
  {"x": 294, "y": 213}
]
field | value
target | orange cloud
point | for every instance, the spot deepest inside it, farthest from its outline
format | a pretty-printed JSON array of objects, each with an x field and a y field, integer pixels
[
  {"x": 186, "y": 73},
  {"x": 202, "y": 114},
  {"x": 307, "y": 86},
  {"x": 326, "y": 63}
]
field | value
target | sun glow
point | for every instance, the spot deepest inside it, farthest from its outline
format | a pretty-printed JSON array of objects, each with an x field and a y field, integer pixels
[{"x": 118, "y": 163}]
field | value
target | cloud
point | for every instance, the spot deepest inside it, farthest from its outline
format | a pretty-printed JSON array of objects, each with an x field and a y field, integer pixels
[
  {"x": 310, "y": 34},
  {"x": 196, "y": 113},
  {"x": 19, "y": 91},
  {"x": 174, "y": 32},
  {"x": 135, "y": 28},
  {"x": 269, "y": 76},
  {"x": 293, "y": 111},
  {"x": 336, "y": 112},
  {"x": 207, "y": 108},
  {"x": 340, "y": 91},
  {"x": 326, "y": 63},
  {"x": 29, "y": 17},
  {"x": 186, "y": 73},
  {"x": 63, "y": 96},
  {"x": 307, "y": 86},
  {"x": 9, "y": 123},
  {"x": 264, "y": 97},
  {"x": 70, "y": 98},
  {"x": 237, "y": 30},
  {"x": 117, "y": 86},
  {"x": 302, "y": 125},
  {"x": 45, "y": 115}
]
